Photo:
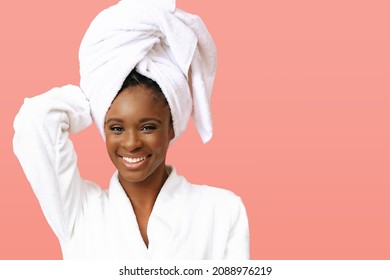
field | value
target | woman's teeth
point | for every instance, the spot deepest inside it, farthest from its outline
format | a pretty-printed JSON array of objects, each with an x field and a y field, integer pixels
[{"x": 133, "y": 160}]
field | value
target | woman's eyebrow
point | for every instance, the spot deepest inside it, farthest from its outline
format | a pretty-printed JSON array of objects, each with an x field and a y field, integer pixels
[
  {"x": 149, "y": 119},
  {"x": 140, "y": 121},
  {"x": 113, "y": 120}
]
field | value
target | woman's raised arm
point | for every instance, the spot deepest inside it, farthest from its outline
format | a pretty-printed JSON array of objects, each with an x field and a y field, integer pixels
[{"x": 42, "y": 145}]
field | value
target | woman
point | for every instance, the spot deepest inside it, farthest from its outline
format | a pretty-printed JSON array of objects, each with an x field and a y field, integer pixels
[{"x": 149, "y": 211}]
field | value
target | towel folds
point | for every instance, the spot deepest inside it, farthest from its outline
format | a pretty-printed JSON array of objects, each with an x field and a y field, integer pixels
[{"x": 168, "y": 45}]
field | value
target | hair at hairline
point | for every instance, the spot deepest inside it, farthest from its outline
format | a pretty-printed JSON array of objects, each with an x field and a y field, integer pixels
[{"x": 137, "y": 79}]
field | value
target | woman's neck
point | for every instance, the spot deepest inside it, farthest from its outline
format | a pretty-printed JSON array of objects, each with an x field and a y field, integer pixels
[{"x": 144, "y": 194}]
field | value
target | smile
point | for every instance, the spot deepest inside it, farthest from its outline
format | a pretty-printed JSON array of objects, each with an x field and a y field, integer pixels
[{"x": 133, "y": 160}]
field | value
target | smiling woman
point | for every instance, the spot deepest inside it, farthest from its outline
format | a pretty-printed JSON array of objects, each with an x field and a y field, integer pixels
[
  {"x": 138, "y": 130},
  {"x": 140, "y": 94}
]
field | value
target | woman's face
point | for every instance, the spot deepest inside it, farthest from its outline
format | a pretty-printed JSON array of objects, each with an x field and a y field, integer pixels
[{"x": 138, "y": 131}]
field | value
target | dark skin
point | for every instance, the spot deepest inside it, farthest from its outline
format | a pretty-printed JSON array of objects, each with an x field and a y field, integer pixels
[{"x": 138, "y": 131}]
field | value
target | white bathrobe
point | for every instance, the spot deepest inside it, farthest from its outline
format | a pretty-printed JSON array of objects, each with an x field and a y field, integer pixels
[{"x": 187, "y": 222}]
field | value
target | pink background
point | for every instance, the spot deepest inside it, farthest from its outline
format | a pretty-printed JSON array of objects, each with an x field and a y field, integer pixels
[{"x": 301, "y": 110}]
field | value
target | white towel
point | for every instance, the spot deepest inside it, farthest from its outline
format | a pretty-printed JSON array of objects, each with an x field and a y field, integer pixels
[{"x": 170, "y": 46}]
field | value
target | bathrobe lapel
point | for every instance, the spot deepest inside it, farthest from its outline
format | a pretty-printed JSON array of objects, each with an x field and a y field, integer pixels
[
  {"x": 124, "y": 234},
  {"x": 164, "y": 222},
  {"x": 163, "y": 226}
]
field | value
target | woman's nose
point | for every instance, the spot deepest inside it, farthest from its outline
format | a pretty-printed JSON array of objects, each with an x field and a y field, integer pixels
[{"x": 131, "y": 141}]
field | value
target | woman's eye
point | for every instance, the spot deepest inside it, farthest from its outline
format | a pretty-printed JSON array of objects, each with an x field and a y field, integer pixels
[
  {"x": 117, "y": 129},
  {"x": 148, "y": 127}
]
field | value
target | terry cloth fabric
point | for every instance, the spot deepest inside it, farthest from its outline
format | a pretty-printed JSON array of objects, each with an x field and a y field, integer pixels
[
  {"x": 187, "y": 222},
  {"x": 165, "y": 44}
]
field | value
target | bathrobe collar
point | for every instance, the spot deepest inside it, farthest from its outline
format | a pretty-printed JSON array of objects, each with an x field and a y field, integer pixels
[{"x": 163, "y": 221}]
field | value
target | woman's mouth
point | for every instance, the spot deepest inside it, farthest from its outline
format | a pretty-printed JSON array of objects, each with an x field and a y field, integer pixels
[
  {"x": 134, "y": 163},
  {"x": 133, "y": 160}
]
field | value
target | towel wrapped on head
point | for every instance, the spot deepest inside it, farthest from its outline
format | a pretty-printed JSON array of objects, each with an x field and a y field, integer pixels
[{"x": 165, "y": 44}]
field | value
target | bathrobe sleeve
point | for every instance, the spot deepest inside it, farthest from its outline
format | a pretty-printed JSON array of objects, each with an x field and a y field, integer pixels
[
  {"x": 238, "y": 241},
  {"x": 42, "y": 145}
]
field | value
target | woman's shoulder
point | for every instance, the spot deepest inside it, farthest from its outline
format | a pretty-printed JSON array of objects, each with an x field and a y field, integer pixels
[
  {"x": 218, "y": 204},
  {"x": 205, "y": 192},
  {"x": 215, "y": 197},
  {"x": 215, "y": 192}
]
